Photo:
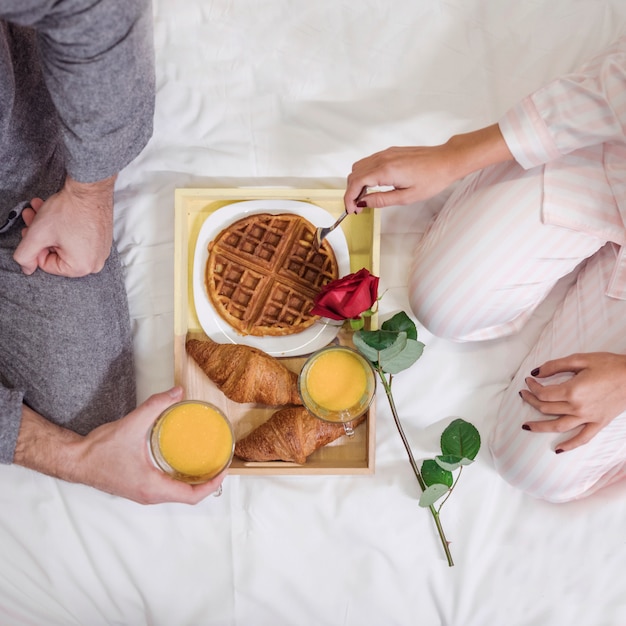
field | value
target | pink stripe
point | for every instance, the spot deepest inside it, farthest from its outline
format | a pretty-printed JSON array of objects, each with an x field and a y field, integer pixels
[{"x": 587, "y": 321}]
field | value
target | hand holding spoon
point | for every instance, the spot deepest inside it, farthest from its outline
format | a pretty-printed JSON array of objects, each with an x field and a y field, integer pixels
[{"x": 322, "y": 233}]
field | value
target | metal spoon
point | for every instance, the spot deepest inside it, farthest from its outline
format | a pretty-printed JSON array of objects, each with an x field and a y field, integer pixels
[{"x": 322, "y": 233}]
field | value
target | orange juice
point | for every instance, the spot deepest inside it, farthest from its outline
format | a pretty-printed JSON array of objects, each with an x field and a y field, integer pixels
[
  {"x": 337, "y": 384},
  {"x": 192, "y": 441},
  {"x": 336, "y": 380}
]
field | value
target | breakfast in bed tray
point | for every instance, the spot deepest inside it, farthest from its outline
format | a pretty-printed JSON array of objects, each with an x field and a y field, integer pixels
[{"x": 248, "y": 270}]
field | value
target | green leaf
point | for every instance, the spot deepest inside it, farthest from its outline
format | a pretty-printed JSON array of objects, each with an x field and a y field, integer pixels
[
  {"x": 460, "y": 439},
  {"x": 372, "y": 352},
  {"x": 401, "y": 322},
  {"x": 412, "y": 352},
  {"x": 432, "y": 494},
  {"x": 448, "y": 462},
  {"x": 394, "y": 346},
  {"x": 394, "y": 349},
  {"x": 432, "y": 473},
  {"x": 378, "y": 339},
  {"x": 451, "y": 462}
]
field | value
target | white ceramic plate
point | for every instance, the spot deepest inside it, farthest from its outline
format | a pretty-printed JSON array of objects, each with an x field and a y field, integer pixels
[{"x": 310, "y": 339}]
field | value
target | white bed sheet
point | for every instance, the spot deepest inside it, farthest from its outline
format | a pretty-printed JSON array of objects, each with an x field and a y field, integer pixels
[{"x": 291, "y": 93}]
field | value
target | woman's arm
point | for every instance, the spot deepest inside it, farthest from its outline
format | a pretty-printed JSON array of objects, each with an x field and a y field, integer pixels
[
  {"x": 418, "y": 173},
  {"x": 584, "y": 108}
]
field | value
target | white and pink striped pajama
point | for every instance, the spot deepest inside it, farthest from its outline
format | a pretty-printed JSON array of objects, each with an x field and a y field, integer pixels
[{"x": 505, "y": 237}]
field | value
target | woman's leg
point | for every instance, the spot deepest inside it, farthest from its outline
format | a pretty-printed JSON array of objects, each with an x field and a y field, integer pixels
[
  {"x": 66, "y": 342},
  {"x": 586, "y": 321},
  {"x": 480, "y": 271},
  {"x": 487, "y": 260}
]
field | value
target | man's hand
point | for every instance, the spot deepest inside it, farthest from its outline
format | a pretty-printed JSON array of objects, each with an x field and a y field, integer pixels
[
  {"x": 590, "y": 399},
  {"x": 113, "y": 457},
  {"x": 70, "y": 233}
]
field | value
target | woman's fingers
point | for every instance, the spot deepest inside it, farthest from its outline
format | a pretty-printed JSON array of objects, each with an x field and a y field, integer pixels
[
  {"x": 551, "y": 394},
  {"x": 573, "y": 363},
  {"x": 587, "y": 433},
  {"x": 561, "y": 424},
  {"x": 565, "y": 424}
]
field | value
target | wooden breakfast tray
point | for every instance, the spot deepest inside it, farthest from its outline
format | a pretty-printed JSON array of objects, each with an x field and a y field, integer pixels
[{"x": 347, "y": 455}]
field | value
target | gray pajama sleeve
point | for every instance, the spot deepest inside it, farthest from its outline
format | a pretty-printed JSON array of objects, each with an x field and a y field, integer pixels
[
  {"x": 10, "y": 420},
  {"x": 97, "y": 63}
]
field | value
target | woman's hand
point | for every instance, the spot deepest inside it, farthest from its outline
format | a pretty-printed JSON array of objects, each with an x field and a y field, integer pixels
[
  {"x": 590, "y": 399},
  {"x": 415, "y": 173},
  {"x": 418, "y": 173}
]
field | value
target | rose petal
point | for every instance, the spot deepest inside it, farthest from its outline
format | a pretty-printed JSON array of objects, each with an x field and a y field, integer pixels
[{"x": 347, "y": 297}]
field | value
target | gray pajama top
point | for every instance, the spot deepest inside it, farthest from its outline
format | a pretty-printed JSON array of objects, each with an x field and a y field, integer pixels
[{"x": 77, "y": 98}]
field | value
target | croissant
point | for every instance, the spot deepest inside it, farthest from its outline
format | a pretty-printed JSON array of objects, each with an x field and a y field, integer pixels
[
  {"x": 291, "y": 434},
  {"x": 245, "y": 374}
]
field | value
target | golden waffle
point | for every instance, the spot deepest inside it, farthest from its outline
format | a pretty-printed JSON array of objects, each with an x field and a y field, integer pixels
[{"x": 263, "y": 273}]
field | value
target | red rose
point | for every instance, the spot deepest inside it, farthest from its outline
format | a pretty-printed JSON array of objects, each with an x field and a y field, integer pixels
[{"x": 346, "y": 298}]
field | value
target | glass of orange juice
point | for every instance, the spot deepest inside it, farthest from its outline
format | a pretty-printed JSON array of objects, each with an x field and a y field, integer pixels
[
  {"x": 192, "y": 441},
  {"x": 337, "y": 384}
]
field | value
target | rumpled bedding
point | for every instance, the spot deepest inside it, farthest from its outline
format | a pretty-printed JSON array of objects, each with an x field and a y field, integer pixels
[{"x": 287, "y": 93}]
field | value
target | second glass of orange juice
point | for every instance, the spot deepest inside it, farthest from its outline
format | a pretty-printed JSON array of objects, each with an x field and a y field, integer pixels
[{"x": 337, "y": 384}]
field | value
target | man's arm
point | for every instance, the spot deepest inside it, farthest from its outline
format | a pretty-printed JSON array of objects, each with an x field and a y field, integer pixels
[
  {"x": 113, "y": 457},
  {"x": 98, "y": 65}
]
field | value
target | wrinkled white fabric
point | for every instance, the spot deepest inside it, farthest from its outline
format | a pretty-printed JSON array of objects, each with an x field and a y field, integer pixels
[{"x": 288, "y": 92}]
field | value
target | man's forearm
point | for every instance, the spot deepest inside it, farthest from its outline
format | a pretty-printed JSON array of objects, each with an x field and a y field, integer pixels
[
  {"x": 97, "y": 189},
  {"x": 45, "y": 447}
]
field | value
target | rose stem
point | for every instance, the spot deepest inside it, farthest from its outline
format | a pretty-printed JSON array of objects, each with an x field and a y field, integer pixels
[{"x": 420, "y": 480}]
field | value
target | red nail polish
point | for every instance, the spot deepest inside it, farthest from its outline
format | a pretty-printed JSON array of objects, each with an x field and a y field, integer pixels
[
  {"x": 361, "y": 204},
  {"x": 535, "y": 372},
  {"x": 525, "y": 426},
  {"x": 559, "y": 450}
]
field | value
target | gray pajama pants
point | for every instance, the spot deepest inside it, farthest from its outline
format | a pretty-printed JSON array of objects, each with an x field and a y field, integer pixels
[{"x": 66, "y": 343}]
